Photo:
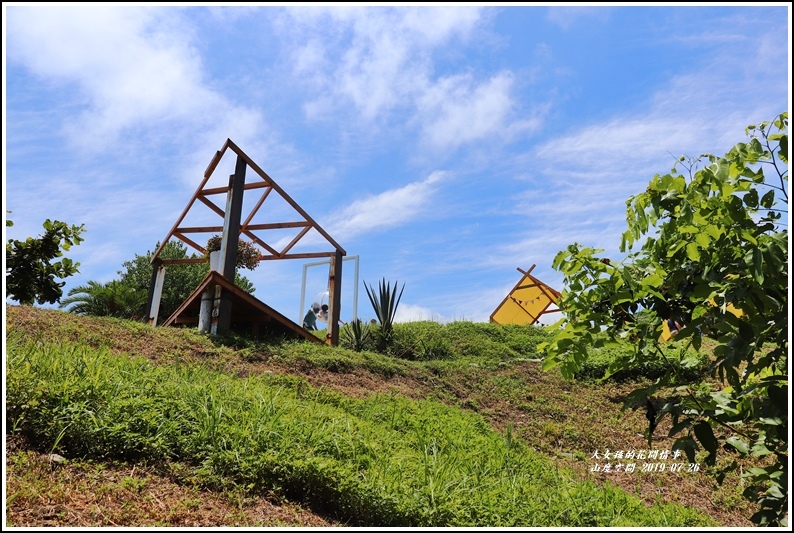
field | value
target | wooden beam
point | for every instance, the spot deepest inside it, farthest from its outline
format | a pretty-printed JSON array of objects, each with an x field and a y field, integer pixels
[
  {"x": 207, "y": 173},
  {"x": 179, "y": 220},
  {"x": 212, "y": 206},
  {"x": 334, "y": 298},
  {"x": 312, "y": 255},
  {"x": 214, "y": 161},
  {"x": 201, "y": 229},
  {"x": 260, "y": 242},
  {"x": 223, "y": 190},
  {"x": 276, "y": 225},
  {"x": 294, "y": 241},
  {"x": 190, "y": 243},
  {"x": 231, "y": 236},
  {"x": 185, "y": 261},
  {"x": 258, "y": 205}
]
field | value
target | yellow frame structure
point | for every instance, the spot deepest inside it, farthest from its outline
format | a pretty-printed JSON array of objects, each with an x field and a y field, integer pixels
[{"x": 527, "y": 302}]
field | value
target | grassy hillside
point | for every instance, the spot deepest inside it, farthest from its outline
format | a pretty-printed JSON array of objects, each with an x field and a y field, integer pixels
[{"x": 458, "y": 427}]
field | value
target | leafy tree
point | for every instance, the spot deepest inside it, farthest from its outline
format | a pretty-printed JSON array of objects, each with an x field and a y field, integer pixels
[
  {"x": 114, "y": 299},
  {"x": 714, "y": 253},
  {"x": 180, "y": 280},
  {"x": 31, "y": 273}
]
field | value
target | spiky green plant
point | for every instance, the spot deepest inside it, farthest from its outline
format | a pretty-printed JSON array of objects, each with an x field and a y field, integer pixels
[
  {"x": 356, "y": 335},
  {"x": 385, "y": 303}
]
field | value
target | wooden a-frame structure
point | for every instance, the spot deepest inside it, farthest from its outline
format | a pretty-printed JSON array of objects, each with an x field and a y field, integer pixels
[
  {"x": 218, "y": 317},
  {"x": 527, "y": 302}
]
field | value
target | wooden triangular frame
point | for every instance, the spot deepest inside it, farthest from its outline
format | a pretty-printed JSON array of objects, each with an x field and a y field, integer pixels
[
  {"x": 214, "y": 278},
  {"x": 267, "y": 252},
  {"x": 234, "y": 226}
]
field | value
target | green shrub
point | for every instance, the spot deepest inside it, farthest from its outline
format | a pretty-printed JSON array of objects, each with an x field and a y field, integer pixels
[
  {"x": 494, "y": 343},
  {"x": 690, "y": 365}
]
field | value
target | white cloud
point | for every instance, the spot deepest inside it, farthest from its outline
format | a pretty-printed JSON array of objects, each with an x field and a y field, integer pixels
[
  {"x": 129, "y": 69},
  {"x": 568, "y": 16},
  {"x": 414, "y": 313},
  {"x": 136, "y": 67},
  {"x": 387, "y": 209},
  {"x": 580, "y": 180},
  {"x": 381, "y": 61},
  {"x": 457, "y": 110}
]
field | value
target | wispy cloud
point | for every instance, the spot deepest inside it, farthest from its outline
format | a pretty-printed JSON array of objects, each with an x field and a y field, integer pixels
[
  {"x": 459, "y": 110},
  {"x": 388, "y": 209},
  {"x": 568, "y": 16},
  {"x": 373, "y": 58},
  {"x": 136, "y": 68},
  {"x": 380, "y": 61},
  {"x": 130, "y": 68}
]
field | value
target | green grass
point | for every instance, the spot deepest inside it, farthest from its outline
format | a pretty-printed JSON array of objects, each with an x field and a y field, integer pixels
[{"x": 382, "y": 460}]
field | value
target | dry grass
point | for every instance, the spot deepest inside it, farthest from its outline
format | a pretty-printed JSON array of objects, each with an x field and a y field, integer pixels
[{"x": 44, "y": 493}]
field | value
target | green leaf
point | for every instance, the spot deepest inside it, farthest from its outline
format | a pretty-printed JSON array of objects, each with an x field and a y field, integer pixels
[
  {"x": 693, "y": 251},
  {"x": 713, "y": 231},
  {"x": 654, "y": 280},
  {"x": 746, "y": 235},
  {"x": 758, "y": 269},
  {"x": 674, "y": 248},
  {"x": 759, "y": 449},
  {"x": 775, "y": 492},
  {"x": 768, "y": 200},
  {"x": 739, "y": 444},
  {"x": 705, "y": 435},
  {"x": 549, "y": 363},
  {"x": 703, "y": 239},
  {"x": 751, "y": 199},
  {"x": 688, "y": 446},
  {"x": 757, "y": 472}
]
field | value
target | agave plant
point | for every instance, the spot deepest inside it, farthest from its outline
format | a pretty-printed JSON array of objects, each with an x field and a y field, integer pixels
[
  {"x": 356, "y": 335},
  {"x": 385, "y": 303}
]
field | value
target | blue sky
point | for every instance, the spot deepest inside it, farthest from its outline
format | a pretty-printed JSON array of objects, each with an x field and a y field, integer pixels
[{"x": 443, "y": 146}]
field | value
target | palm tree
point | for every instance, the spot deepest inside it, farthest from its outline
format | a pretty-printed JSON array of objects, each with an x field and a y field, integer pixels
[{"x": 114, "y": 299}]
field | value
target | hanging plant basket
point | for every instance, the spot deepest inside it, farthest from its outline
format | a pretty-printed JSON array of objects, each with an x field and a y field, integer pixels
[{"x": 247, "y": 252}]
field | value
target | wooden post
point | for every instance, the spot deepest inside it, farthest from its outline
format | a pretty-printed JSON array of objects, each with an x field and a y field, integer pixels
[
  {"x": 155, "y": 292},
  {"x": 334, "y": 298},
  {"x": 229, "y": 240}
]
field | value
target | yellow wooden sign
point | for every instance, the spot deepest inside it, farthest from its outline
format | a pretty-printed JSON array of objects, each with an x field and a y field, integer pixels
[{"x": 527, "y": 302}]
